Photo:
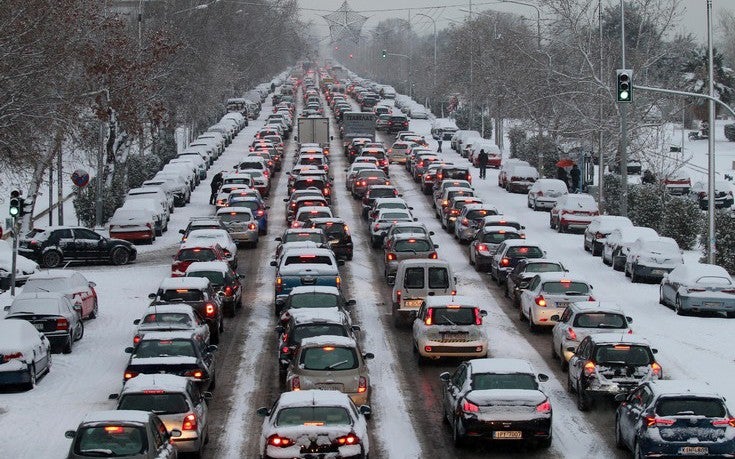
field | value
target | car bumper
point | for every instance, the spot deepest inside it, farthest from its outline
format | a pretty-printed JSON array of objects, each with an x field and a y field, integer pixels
[
  {"x": 530, "y": 429},
  {"x": 133, "y": 235},
  {"x": 516, "y": 187},
  {"x": 576, "y": 222},
  {"x": 545, "y": 203},
  {"x": 542, "y": 316},
  {"x": 14, "y": 372},
  {"x": 657, "y": 447},
  {"x": 707, "y": 304},
  {"x": 651, "y": 272},
  {"x": 187, "y": 445},
  {"x": 436, "y": 349},
  {"x": 294, "y": 452},
  {"x": 246, "y": 236}
]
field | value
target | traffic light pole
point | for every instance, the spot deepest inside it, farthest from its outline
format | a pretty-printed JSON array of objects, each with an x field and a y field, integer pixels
[
  {"x": 623, "y": 127},
  {"x": 14, "y": 258}
]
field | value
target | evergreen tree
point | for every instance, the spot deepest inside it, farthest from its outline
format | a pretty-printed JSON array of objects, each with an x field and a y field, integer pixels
[
  {"x": 682, "y": 220},
  {"x": 725, "y": 240}
]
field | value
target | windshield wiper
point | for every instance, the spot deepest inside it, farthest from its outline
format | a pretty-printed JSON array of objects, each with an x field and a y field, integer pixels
[
  {"x": 334, "y": 365},
  {"x": 97, "y": 452},
  {"x": 573, "y": 292},
  {"x": 449, "y": 320}
]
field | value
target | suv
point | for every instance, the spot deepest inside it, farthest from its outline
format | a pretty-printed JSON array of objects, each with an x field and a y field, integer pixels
[
  {"x": 397, "y": 123},
  {"x": 225, "y": 281},
  {"x": 190, "y": 252},
  {"x": 54, "y": 245},
  {"x": 406, "y": 246},
  {"x": 486, "y": 242},
  {"x": 198, "y": 293},
  {"x": 338, "y": 234},
  {"x": 610, "y": 364},
  {"x": 509, "y": 253}
]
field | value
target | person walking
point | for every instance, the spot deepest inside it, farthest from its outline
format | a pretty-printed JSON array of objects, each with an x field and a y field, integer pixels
[
  {"x": 482, "y": 161},
  {"x": 439, "y": 148},
  {"x": 215, "y": 185},
  {"x": 575, "y": 175},
  {"x": 561, "y": 174}
]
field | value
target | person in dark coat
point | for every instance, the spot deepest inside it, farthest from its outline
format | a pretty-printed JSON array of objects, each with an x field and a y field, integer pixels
[
  {"x": 482, "y": 162},
  {"x": 648, "y": 177},
  {"x": 575, "y": 174},
  {"x": 439, "y": 148},
  {"x": 561, "y": 174},
  {"x": 215, "y": 185}
]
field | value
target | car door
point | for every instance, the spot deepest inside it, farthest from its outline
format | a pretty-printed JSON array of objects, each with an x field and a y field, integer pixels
[
  {"x": 557, "y": 333},
  {"x": 200, "y": 406},
  {"x": 162, "y": 447},
  {"x": 89, "y": 245},
  {"x": 630, "y": 412},
  {"x": 64, "y": 240},
  {"x": 418, "y": 323},
  {"x": 577, "y": 361},
  {"x": 82, "y": 291},
  {"x": 452, "y": 389}
]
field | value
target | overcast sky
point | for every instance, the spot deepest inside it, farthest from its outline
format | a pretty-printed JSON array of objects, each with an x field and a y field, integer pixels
[{"x": 695, "y": 19}]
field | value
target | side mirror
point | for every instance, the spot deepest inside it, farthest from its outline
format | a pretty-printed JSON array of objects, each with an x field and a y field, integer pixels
[
  {"x": 350, "y": 302},
  {"x": 280, "y": 329},
  {"x": 267, "y": 207},
  {"x": 455, "y": 280},
  {"x": 207, "y": 396},
  {"x": 415, "y": 219},
  {"x": 182, "y": 231},
  {"x": 368, "y": 356},
  {"x": 436, "y": 246},
  {"x": 136, "y": 321},
  {"x": 273, "y": 263},
  {"x": 410, "y": 208},
  {"x": 629, "y": 319},
  {"x": 278, "y": 239},
  {"x": 655, "y": 351},
  {"x": 555, "y": 318},
  {"x": 151, "y": 296},
  {"x": 6, "y": 308},
  {"x": 365, "y": 410},
  {"x": 211, "y": 348},
  {"x": 263, "y": 412},
  {"x": 571, "y": 349},
  {"x": 129, "y": 350},
  {"x": 620, "y": 397},
  {"x": 331, "y": 137},
  {"x": 241, "y": 276},
  {"x": 176, "y": 433},
  {"x": 431, "y": 233},
  {"x": 483, "y": 313},
  {"x": 92, "y": 284},
  {"x": 70, "y": 434},
  {"x": 542, "y": 377},
  {"x": 444, "y": 377},
  {"x": 112, "y": 396},
  {"x": 340, "y": 262},
  {"x": 280, "y": 302},
  {"x": 356, "y": 328}
]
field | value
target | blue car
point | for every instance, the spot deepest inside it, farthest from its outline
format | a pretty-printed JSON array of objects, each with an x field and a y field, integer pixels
[
  {"x": 257, "y": 206},
  {"x": 674, "y": 419}
]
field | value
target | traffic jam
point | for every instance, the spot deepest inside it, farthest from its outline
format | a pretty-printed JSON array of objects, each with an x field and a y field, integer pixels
[{"x": 403, "y": 312}]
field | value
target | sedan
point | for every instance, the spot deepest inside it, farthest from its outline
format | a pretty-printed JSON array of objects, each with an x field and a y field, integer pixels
[
  {"x": 524, "y": 271},
  {"x": 698, "y": 288},
  {"x": 544, "y": 193},
  {"x": 52, "y": 314},
  {"x": 26, "y": 353},
  {"x": 548, "y": 295},
  {"x": 573, "y": 211},
  {"x": 171, "y": 317},
  {"x": 71, "y": 283},
  {"x": 497, "y": 399}
]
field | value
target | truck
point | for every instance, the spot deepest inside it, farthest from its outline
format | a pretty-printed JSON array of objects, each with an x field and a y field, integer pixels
[
  {"x": 357, "y": 124},
  {"x": 314, "y": 130}
]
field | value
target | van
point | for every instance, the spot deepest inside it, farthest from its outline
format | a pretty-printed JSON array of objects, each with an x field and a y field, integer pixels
[{"x": 415, "y": 280}]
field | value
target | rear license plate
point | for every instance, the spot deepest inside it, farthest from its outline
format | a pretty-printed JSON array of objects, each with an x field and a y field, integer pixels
[
  {"x": 507, "y": 435},
  {"x": 329, "y": 386},
  {"x": 697, "y": 450},
  {"x": 712, "y": 304},
  {"x": 455, "y": 336},
  {"x": 562, "y": 304},
  {"x": 412, "y": 303},
  {"x": 658, "y": 272},
  {"x": 39, "y": 327}
]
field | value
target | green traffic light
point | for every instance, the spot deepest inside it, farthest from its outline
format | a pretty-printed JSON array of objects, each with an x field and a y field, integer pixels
[{"x": 14, "y": 211}]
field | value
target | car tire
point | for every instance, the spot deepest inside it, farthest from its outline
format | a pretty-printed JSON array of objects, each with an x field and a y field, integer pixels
[
  {"x": 551, "y": 223},
  {"x": 560, "y": 228},
  {"x": 457, "y": 438},
  {"x": 521, "y": 316},
  {"x": 661, "y": 299},
  {"x": 619, "y": 443},
  {"x": 68, "y": 346},
  {"x": 51, "y": 259},
  {"x": 532, "y": 327},
  {"x": 583, "y": 400},
  {"x": 680, "y": 311},
  {"x": 570, "y": 386},
  {"x": 596, "y": 252},
  {"x": 95, "y": 310},
  {"x": 535, "y": 206},
  {"x": 634, "y": 278},
  {"x": 32, "y": 375},
  {"x": 637, "y": 453},
  {"x": 214, "y": 336},
  {"x": 563, "y": 364},
  {"x": 81, "y": 334},
  {"x": 120, "y": 256}
]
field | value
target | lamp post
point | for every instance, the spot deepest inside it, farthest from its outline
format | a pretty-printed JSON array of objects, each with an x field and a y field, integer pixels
[
  {"x": 434, "y": 23},
  {"x": 711, "y": 249},
  {"x": 623, "y": 127}
]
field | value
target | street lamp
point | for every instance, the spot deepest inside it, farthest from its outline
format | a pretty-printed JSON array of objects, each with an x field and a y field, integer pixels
[{"x": 434, "y": 23}]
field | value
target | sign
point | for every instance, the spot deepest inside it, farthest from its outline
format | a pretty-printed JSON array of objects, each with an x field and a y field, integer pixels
[{"x": 80, "y": 178}]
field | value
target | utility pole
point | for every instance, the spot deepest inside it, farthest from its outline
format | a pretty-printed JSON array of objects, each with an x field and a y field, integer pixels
[
  {"x": 59, "y": 188},
  {"x": 410, "y": 48},
  {"x": 712, "y": 249},
  {"x": 51, "y": 194},
  {"x": 601, "y": 157},
  {"x": 623, "y": 127}
]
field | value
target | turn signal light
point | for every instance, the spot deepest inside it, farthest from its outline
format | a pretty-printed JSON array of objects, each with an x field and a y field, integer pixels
[
  {"x": 281, "y": 442},
  {"x": 296, "y": 384},
  {"x": 589, "y": 368},
  {"x": 350, "y": 439},
  {"x": 362, "y": 385},
  {"x": 541, "y": 301},
  {"x": 652, "y": 421},
  {"x": 656, "y": 369},
  {"x": 190, "y": 422}
]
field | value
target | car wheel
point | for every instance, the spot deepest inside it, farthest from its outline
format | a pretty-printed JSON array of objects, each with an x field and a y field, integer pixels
[
  {"x": 551, "y": 222},
  {"x": 583, "y": 401},
  {"x": 459, "y": 440},
  {"x": 680, "y": 311},
  {"x": 560, "y": 228},
  {"x": 570, "y": 386},
  {"x": 637, "y": 453},
  {"x": 214, "y": 336},
  {"x": 80, "y": 332},
  {"x": 120, "y": 256},
  {"x": 532, "y": 327},
  {"x": 596, "y": 251},
  {"x": 213, "y": 384},
  {"x": 535, "y": 206},
  {"x": 506, "y": 290},
  {"x": 634, "y": 278},
  {"x": 68, "y": 345},
  {"x": 605, "y": 261},
  {"x": 95, "y": 310},
  {"x": 32, "y": 375},
  {"x": 521, "y": 315},
  {"x": 469, "y": 257},
  {"x": 661, "y": 299},
  {"x": 396, "y": 316},
  {"x": 563, "y": 364},
  {"x": 51, "y": 259},
  {"x": 618, "y": 435}
]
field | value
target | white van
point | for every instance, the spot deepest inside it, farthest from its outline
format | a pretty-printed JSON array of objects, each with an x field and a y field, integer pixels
[{"x": 415, "y": 280}]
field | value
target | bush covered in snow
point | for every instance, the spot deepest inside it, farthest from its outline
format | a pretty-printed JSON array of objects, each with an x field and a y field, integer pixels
[
  {"x": 725, "y": 240},
  {"x": 142, "y": 168},
  {"x": 682, "y": 220},
  {"x": 517, "y": 136},
  {"x": 646, "y": 205},
  {"x": 530, "y": 149}
]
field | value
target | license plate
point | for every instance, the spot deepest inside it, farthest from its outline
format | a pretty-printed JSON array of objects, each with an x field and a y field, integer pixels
[
  {"x": 562, "y": 304},
  {"x": 658, "y": 272},
  {"x": 711, "y": 304},
  {"x": 412, "y": 303},
  {"x": 694, "y": 450},
  {"x": 39, "y": 327},
  {"x": 329, "y": 386},
  {"x": 507, "y": 435},
  {"x": 460, "y": 335}
]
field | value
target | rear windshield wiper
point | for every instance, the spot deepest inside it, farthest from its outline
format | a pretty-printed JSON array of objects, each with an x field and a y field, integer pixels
[
  {"x": 98, "y": 452},
  {"x": 336, "y": 364}
]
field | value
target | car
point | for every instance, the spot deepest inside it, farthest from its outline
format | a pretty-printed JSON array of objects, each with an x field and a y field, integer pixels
[
  {"x": 54, "y": 245},
  {"x": 502, "y": 220},
  {"x": 303, "y": 201},
  {"x": 338, "y": 235},
  {"x": 374, "y": 192},
  {"x": 154, "y": 207},
  {"x": 617, "y": 244},
  {"x": 454, "y": 208},
  {"x": 723, "y": 194},
  {"x": 258, "y": 208},
  {"x": 366, "y": 178},
  {"x": 548, "y": 295},
  {"x": 383, "y": 221},
  {"x": 520, "y": 179},
  {"x": 73, "y": 284},
  {"x": 171, "y": 317},
  {"x": 129, "y": 433},
  {"x": 466, "y": 223},
  {"x": 224, "y": 280},
  {"x": 179, "y": 353},
  {"x": 599, "y": 228},
  {"x": 295, "y": 235},
  {"x": 607, "y": 364},
  {"x": 201, "y": 223},
  {"x": 573, "y": 212},
  {"x": 544, "y": 193},
  {"x": 306, "y": 323},
  {"x": 308, "y": 212},
  {"x": 240, "y": 224},
  {"x": 314, "y": 423},
  {"x": 486, "y": 242},
  {"x": 442, "y": 203},
  {"x": 449, "y": 326},
  {"x": 497, "y": 399},
  {"x": 198, "y": 293},
  {"x": 191, "y": 251},
  {"x": 453, "y": 172},
  {"x": 675, "y": 418},
  {"x": 509, "y": 253},
  {"x": 397, "y": 123},
  {"x": 218, "y": 237},
  {"x": 406, "y": 246},
  {"x": 53, "y": 314},
  {"x": 24, "y": 268},
  {"x": 651, "y": 258},
  {"x": 330, "y": 362},
  {"x": 581, "y": 319},
  {"x": 132, "y": 225},
  {"x": 177, "y": 401},
  {"x": 311, "y": 267},
  {"x": 222, "y": 199},
  {"x": 523, "y": 272},
  {"x": 26, "y": 353},
  {"x": 398, "y": 152},
  {"x": 698, "y": 288},
  {"x": 440, "y": 187},
  {"x": 384, "y": 204},
  {"x": 312, "y": 297},
  {"x": 352, "y": 172},
  {"x": 408, "y": 227}
]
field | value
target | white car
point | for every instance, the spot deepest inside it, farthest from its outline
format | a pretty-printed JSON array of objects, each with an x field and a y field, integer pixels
[
  {"x": 384, "y": 220},
  {"x": 53, "y": 314},
  {"x": 210, "y": 237},
  {"x": 171, "y": 317},
  {"x": 159, "y": 213},
  {"x": 307, "y": 212},
  {"x": 598, "y": 230},
  {"x": 651, "y": 258},
  {"x": 544, "y": 193},
  {"x": 323, "y": 421},
  {"x": 449, "y": 326},
  {"x": 573, "y": 211},
  {"x": 240, "y": 223},
  {"x": 26, "y": 353},
  {"x": 615, "y": 250},
  {"x": 24, "y": 267},
  {"x": 549, "y": 294}
]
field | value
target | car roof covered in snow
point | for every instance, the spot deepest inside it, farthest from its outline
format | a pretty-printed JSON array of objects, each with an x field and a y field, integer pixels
[
  {"x": 500, "y": 219},
  {"x": 500, "y": 365},
  {"x": 166, "y": 335},
  {"x": 499, "y": 228},
  {"x": 683, "y": 387},
  {"x": 696, "y": 271},
  {"x": 444, "y": 300},
  {"x": 310, "y": 315},
  {"x": 169, "y": 308},
  {"x": 198, "y": 266},
  {"x": 300, "y": 290},
  {"x": 597, "y": 306},
  {"x": 238, "y": 210},
  {"x": 110, "y": 416},
  {"x": 172, "y": 283},
  {"x": 314, "y": 398},
  {"x": 561, "y": 276},
  {"x": 521, "y": 242},
  {"x": 54, "y": 274},
  {"x": 197, "y": 244},
  {"x": 619, "y": 338},
  {"x": 165, "y": 382}
]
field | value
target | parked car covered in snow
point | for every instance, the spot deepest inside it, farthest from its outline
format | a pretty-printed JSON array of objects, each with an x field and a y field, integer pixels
[
  {"x": 598, "y": 230},
  {"x": 23, "y": 266},
  {"x": 651, "y": 258},
  {"x": 73, "y": 284},
  {"x": 26, "y": 353},
  {"x": 544, "y": 193},
  {"x": 133, "y": 225},
  {"x": 573, "y": 211},
  {"x": 52, "y": 314},
  {"x": 695, "y": 287},
  {"x": 617, "y": 244}
]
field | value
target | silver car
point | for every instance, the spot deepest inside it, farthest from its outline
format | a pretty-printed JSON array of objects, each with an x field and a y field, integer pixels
[
  {"x": 53, "y": 314},
  {"x": 406, "y": 246},
  {"x": 240, "y": 223}
]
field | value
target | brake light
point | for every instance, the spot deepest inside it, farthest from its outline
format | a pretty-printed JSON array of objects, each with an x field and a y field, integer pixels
[
  {"x": 136, "y": 339},
  {"x": 391, "y": 256},
  {"x": 9, "y": 357},
  {"x": 544, "y": 407},
  {"x": 429, "y": 319},
  {"x": 194, "y": 374},
  {"x": 190, "y": 422},
  {"x": 505, "y": 262},
  {"x": 349, "y": 439},
  {"x": 469, "y": 407},
  {"x": 541, "y": 301},
  {"x": 62, "y": 324},
  {"x": 433, "y": 256},
  {"x": 482, "y": 248},
  {"x": 228, "y": 291},
  {"x": 652, "y": 421},
  {"x": 362, "y": 385},
  {"x": 252, "y": 226},
  {"x": 465, "y": 222},
  {"x": 279, "y": 284},
  {"x": 591, "y": 298},
  {"x": 571, "y": 334},
  {"x": 398, "y": 296},
  {"x": 656, "y": 368},
  {"x": 209, "y": 310},
  {"x": 280, "y": 442},
  {"x": 724, "y": 422},
  {"x": 338, "y": 281},
  {"x": 589, "y": 368},
  {"x": 296, "y": 384},
  {"x": 113, "y": 429},
  {"x": 130, "y": 375},
  {"x": 478, "y": 316}
]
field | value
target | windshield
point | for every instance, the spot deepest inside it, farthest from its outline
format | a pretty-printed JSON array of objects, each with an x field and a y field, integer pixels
[
  {"x": 303, "y": 237},
  {"x": 182, "y": 294},
  {"x": 329, "y": 358},
  {"x": 313, "y": 300},
  {"x": 565, "y": 288},
  {"x": 252, "y": 205},
  {"x": 196, "y": 255},
  {"x": 525, "y": 252},
  {"x": 159, "y": 403},
  {"x": 168, "y": 318},
  {"x": 312, "y": 330},
  {"x": 391, "y": 215},
  {"x": 382, "y": 193},
  {"x": 497, "y": 238},
  {"x": 310, "y": 259},
  {"x": 600, "y": 320},
  {"x": 543, "y": 268},
  {"x": 661, "y": 247},
  {"x": 215, "y": 277},
  {"x": 413, "y": 245},
  {"x": 691, "y": 406},
  {"x": 164, "y": 348},
  {"x": 306, "y": 183},
  {"x": 111, "y": 441},
  {"x": 303, "y": 216},
  {"x": 623, "y": 354},
  {"x": 479, "y": 213},
  {"x": 313, "y": 416},
  {"x": 489, "y": 381},
  {"x": 230, "y": 217},
  {"x": 453, "y": 316}
]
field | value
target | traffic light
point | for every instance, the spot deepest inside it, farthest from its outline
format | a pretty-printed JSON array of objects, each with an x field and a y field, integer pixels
[
  {"x": 26, "y": 206},
  {"x": 16, "y": 204},
  {"x": 625, "y": 85},
  {"x": 384, "y": 54}
]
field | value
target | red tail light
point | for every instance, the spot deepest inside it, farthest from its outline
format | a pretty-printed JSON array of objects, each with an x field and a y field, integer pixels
[
  {"x": 252, "y": 226},
  {"x": 209, "y": 310},
  {"x": 362, "y": 385},
  {"x": 724, "y": 422},
  {"x": 391, "y": 256},
  {"x": 398, "y": 296},
  {"x": 656, "y": 368},
  {"x": 469, "y": 178},
  {"x": 469, "y": 407},
  {"x": 260, "y": 212},
  {"x": 198, "y": 374},
  {"x": 279, "y": 284},
  {"x": 652, "y": 421},
  {"x": 478, "y": 316},
  {"x": 349, "y": 439},
  {"x": 482, "y": 248},
  {"x": 544, "y": 407},
  {"x": 9, "y": 357},
  {"x": 571, "y": 334},
  {"x": 190, "y": 422},
  {"x": 433, "y": 256},
  {"x": 540, "y": 193},
  {"x": 136, "y": 339},
  {"x": 280, "y": 442},
  {"x": 540, "y": 300},
  {"x": 589, "y": 368},
  {"x": 465, "y": 222},
  {"x": 228, "y": 291},
  {"x": 376, "y": 227},
  {"x": 591, "y": 298},
  {"x": 295, "y": 384},
  {"x": 62, "y": 324},
  {"x": 429, "y": 319},
  {"x": 505, "y": 262}
]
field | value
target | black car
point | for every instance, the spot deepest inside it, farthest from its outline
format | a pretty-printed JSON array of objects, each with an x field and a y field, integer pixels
[
  {"x": 524, "y": 271},
  {"x": 397, "y": 123},
  {"x": 338, "y": 235},
  {"x": 53, "y": 246},
  {"x": 497, "y": 399},
  {"x": 196, "y": 223},
  {"x": 179, "y": 353}
]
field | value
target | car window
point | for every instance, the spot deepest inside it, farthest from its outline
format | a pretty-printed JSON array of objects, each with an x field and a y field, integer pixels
[
  {"x": 313, "y": 416},
  {"x": 565, "y": 315},
  {"x": 412, "y": 245},
  {"x": 438, "y": 278},
  {"x": 160, "y": 434},
  {"x": 622, "y": 354},
  {"x": 691, "y": 406},
  {"x": 489, "y": 381},
  {"x": 498, "y": 237},
  {"x": 333, "y": 358},
  {"x": 168, "y": 318},
  {"x": 525, "y": 252},
  {"x": 158, "y": 402},
  {"x": 600, "y": 320},
  {"x": 215, "y": 277},
  {"x": 81, "y": 233},
  {"x": 311, "y": 330},
  {"x": 229, "y": 217},
  {"x": 302, "y": 237},
  {"x": 120, "y": 440},
  {"x": 182, "y": 294},
  {"x": 453, "y": 316},
  {"x": 414, "y": 278},
  {"x": 313, "y": 300},
  {"x": 534, "y": 283},
  {"x": 565, "y": 288},
  {"x": 543, "y": 268},
  {"x": 310, "y": 259},
  {"x": 459, "y": 376},
  {"x": 196, "y": 255},
  {"x": 164, "y": 348}
]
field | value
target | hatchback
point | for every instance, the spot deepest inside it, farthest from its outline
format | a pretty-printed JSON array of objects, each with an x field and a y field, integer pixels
[
  {"x": 486, "y": 242},
  {"x": 509, "y": 253},
  {"x": 405, "y": 246},
  {"x": 573, "y": 211},
  {"x": 544, "y": 193},
  {"x": 693, "y": 287},
  {"x": 53, "y": 314},
  {"x": 548, "y": 295}
]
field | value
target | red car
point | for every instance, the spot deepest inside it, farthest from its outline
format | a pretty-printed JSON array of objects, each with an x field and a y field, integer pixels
[{"x": 190, "y": 252}]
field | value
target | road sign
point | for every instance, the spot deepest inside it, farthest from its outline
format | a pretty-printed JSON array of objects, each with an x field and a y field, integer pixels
[{"x": 80, "y": 178}]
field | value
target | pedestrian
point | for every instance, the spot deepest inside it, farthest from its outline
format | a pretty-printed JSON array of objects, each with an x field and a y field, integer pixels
[
  {"x": 273, "y": 86},
  {"x": 648, "y": 177},
  {"x": 575, "y": 174},
  {"x": 215, "y": 185},
  {"x": 482, "y": 161},
  {"x": 439, "y": 148},
  {"x": 561, "y": 174}
]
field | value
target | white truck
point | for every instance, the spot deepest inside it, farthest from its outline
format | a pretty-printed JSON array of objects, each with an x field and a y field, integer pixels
[{"x": 314, "y": 130}]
